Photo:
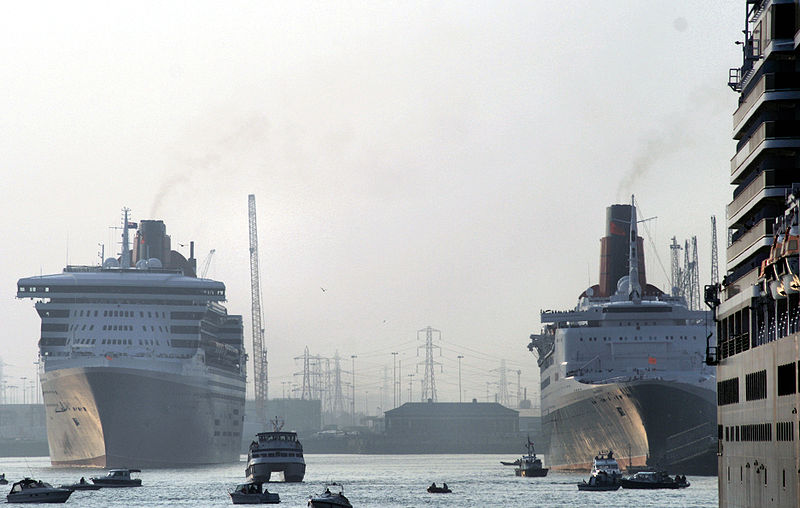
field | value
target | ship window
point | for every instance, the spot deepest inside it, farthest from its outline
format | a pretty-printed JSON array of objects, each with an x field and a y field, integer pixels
[
  {"x": 756, "y": 385},
  {"x": 784, "y": 478},
  {"x": 787, "y": 384},
  {"x": 149, "y": 314},
  {"x": 91, "y": 327},
  {"x": 95, "y": 313},
  {"x": 729, "y": 473}
]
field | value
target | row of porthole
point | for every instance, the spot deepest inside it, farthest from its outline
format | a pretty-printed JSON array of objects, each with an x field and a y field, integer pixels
[{"x": 670, "y": 337}]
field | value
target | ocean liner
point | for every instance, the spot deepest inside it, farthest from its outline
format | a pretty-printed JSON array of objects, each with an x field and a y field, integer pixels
[
  {"x": 625, "y": 370},
  {"x": 140, "y": 364},
  {"x": 757, "y": 305}
]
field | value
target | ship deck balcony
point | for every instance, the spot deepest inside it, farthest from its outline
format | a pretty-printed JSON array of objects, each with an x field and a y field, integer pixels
[
  {"x": 757, "y": 237},
  {"x": 737, "y": 286},
  {"x": 768, "y": 184},
  {"x": 768, "y": 136},
  {"x": 770, "y": 87}
]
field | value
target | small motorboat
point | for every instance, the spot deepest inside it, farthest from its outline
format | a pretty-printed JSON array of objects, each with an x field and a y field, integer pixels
[
  {"x": 253, "y": 493},
  {"x": 118, "y": 478},
  {"x": 654, "y": 480},
  {"x": 600, "y": 482},
  {"x": 3, "y": 480},
  {"x": 29, "y": 490},
  {"x": 330, "y": 498},
  {"x": 434, "y": 489},
  {"x": 81, "y": 484}
]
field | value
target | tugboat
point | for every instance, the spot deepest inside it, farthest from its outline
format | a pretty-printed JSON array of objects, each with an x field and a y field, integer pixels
[
  {"x": 528, "y": 465},
  {"x": 29, "y": 490},
  {"x": 654, "y": 480},
  {"x": 118, "y": 478},
  {"x": 253, "y": 493},
  {"x": 330, "y": 498},
  {"x": 275, "y": 451}
]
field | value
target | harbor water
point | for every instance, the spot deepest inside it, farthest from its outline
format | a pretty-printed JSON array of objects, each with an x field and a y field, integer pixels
[{"x": 369, "y": 481}]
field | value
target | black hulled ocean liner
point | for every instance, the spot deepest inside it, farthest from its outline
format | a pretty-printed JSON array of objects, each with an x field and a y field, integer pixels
[
  {"x": 625, "y": 369},
  {"x": 140, "y": 364},
  {"x": 758, "y": 303}
]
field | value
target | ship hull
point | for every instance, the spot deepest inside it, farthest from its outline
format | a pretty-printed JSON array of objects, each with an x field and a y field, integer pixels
[
  {"x": 668, "y": 425},
  {"x": 125, "y": 417}
]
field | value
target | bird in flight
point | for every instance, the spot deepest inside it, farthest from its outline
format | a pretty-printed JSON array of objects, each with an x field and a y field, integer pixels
[{"x": 323, "y": 289}]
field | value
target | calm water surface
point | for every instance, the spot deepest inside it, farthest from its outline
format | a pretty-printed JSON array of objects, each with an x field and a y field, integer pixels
[{"x": 369, "y": 481}]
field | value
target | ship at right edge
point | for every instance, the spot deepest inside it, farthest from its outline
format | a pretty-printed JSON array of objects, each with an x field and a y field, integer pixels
[
  {"x": 757, "y": 306},
  {"x": 624, "y": 370}
]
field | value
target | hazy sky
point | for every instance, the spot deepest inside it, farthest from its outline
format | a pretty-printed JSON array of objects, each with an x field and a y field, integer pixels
[{"x": 427, "y": 163}]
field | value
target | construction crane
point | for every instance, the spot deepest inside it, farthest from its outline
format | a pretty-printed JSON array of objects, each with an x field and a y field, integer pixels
[
  {"x": 259, "y": 350},
  {"x": 207, "y": 263}
]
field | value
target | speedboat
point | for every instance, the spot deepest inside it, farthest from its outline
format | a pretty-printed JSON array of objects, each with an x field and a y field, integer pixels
[
  {"x": 253, "y": 493},
  {"x": 330, "y": 498},
  {"x": 118, "y": 478},
  {"x": 29, "y": 490},
  {"x": 654, "y": 480}
]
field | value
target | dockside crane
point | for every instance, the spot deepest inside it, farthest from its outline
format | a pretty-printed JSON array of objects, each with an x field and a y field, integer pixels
[
  {"x": 259, "y": 350},
  {"x": 207, "y": 263},
  {"x": 714, "y": 254}
]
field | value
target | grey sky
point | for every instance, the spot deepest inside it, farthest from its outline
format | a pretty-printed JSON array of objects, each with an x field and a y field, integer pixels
[{"x": 443, "y": 164}]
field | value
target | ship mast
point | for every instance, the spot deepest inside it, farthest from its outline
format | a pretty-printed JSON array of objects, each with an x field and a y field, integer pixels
[
  {"x": 634, "y": 288},
  {"x": 126, "y": 253}
]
